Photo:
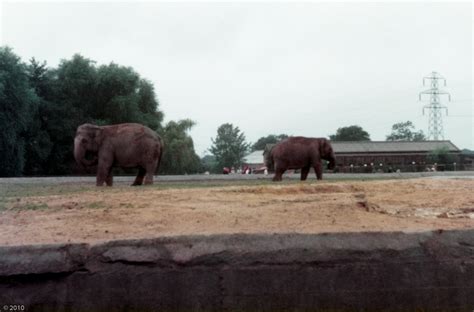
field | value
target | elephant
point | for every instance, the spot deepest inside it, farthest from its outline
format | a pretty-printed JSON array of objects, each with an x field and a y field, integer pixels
[
  {"x": 299, "y": 153},
  {"x": 124, "y": 145}
]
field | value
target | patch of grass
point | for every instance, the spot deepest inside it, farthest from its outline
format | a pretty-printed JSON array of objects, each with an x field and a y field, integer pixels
[
  {"x": 96, "y": 205},
  {"x": 219, "y": 183},
  {"x": 31, "y": 206},
  {"x": 3, "y": 203},
  {"x": 126, "y": 205},
  {"x": 28, "y": 190},
  {"x": 9, "y": 192}
]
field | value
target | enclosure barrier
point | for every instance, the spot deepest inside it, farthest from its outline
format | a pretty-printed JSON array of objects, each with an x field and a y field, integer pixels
[{"x": 395, "y": 271}]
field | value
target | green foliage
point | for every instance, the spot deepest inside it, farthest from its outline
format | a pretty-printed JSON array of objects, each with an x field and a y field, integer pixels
[
  {"x": 41, "y": 107},
  {"x": 38, "y": 141},
  {"x": 179, "y": 156},
  {"x": 17, "y": 101},
  {"x": 269, "y": 139},
  {"x": 229, "y": 147},
  {"x": 350, "y": 133},
  {"x": 404, "y": 131},
  {"x": 147, "y": 104},
  {"x": 441, "y": 156},
  {"x": 210, "y": 164}
]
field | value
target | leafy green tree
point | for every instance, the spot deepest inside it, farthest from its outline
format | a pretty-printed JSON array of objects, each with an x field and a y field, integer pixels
[
  {"x": 148, "y": 105},
  {"x": 38, "y": 142},
  {"x": 209, "y": 163},
  {"x": 229, "y": 147},
  {"x": 81, "y": 92},
  {"x": 269, "y": 139},
  {"x": 405, "y": 131},
  {"x": 41, "y": 107},
  {"x": 76, "y": 85},
  {"x": 179, "y": 156},
  {"x": 17, "y": 102},
  {"x": 350, "y": 133},
  {"x": 441, "y": 156},
  {"x": 116, "y": 100},
  {"x": 69, "y": 102}
]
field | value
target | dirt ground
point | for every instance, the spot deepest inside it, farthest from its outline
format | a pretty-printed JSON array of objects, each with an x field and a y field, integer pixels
[{"x": 100, "y": 214}]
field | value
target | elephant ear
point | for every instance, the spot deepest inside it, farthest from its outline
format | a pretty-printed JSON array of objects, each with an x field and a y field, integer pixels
[
  {"x": 98, "y": 136},
  {"x": 94, "y": 133},
  {"x": 323, "y": 147}
]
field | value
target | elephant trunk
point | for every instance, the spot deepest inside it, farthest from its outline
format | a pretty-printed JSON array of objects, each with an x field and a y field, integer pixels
[
  {"x": 332, "y": 162},
  {"x": 268, "y": 160},
  {"x": 80, "y": 155}
]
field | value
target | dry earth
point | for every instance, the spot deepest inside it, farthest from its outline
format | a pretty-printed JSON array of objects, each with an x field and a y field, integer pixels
[{"x": 102, "y": 214}]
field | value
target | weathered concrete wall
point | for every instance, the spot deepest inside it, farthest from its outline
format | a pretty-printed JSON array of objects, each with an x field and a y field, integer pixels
[{"x": 334, "y": 272}]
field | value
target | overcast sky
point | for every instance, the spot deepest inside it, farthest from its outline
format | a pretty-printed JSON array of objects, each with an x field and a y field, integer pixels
[{"x": 268, "y": 68}]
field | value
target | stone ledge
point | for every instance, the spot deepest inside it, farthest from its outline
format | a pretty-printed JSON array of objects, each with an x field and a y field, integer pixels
[{"x": 336, "y": 271}]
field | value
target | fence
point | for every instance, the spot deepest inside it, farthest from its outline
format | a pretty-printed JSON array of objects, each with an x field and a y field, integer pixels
[{"x": 380, "y": 168}]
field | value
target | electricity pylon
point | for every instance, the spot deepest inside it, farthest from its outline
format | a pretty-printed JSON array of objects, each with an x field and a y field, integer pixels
[{"x": 435, "y": 121}]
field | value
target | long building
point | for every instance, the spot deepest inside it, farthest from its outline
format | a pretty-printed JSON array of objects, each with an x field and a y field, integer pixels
[
  {"x": 369, "y": 156},
  {"x": 387, "y": 156}
]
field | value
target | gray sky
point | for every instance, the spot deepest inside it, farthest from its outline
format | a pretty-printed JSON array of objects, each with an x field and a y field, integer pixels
[{"x": 268, "y": 67}]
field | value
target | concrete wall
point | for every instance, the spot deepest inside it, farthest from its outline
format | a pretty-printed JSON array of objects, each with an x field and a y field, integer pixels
[{"x": 333, "y": 272}]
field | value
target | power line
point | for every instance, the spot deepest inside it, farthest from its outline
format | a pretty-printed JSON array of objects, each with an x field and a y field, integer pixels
[{"x": 435, "y": 120}]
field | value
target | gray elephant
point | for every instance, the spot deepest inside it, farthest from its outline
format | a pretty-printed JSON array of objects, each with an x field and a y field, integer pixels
[
  {"x": 124, "y": 145},
  {"x": 299, "y": 153}
]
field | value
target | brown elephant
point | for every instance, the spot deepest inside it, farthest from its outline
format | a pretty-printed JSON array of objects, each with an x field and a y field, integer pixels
[
  {"x": 124, "y": 145},
  {"x": 299, "y": 153}
]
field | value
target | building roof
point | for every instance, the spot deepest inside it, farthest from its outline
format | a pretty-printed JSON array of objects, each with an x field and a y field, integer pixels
[
  {"x": 391, "y": 146},
  {"x": 344, "y": 147},
  {"x": 254, "y": 158}
]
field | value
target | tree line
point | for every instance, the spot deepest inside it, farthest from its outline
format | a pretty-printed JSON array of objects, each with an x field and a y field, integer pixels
[{"x": 41, "y": 107}]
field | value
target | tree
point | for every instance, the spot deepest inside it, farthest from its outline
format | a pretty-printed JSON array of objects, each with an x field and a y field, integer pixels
[
  {"x": 209, "y": 163},
  {"x": 17, "y": 102},
  {"x": 441, "y": 155},
  {"x": 38, "y": 142},
  {"x": 350, "y": 133},
  {"x": 404, "y": 131},
  {"x": 81, "y": 92},
  {"x": 148, "y": 105},
  {"x": 179, "y": 156},
  {"x": 41, "y": 107},
  {"x": 229, "y": 147},
  {"x": 269, "y": 139}
]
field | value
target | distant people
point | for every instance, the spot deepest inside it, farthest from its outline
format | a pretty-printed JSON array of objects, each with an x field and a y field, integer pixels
[{"x": 225, "y": 170}]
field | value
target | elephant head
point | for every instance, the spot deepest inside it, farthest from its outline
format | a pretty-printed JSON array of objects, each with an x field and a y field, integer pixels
[
  {"x": 268, "y": 158},
  {"x": 326, "y": 152},
  {"x": 86, "y": 144}
]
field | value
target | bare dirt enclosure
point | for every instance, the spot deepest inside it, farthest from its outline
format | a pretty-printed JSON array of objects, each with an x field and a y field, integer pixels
[
  {"x": 100, "y": 214},
  {"x": 379, "y": 245}
]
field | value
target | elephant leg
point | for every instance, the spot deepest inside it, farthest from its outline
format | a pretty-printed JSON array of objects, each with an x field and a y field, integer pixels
[
  {"x": 318, "y": 169},
  {"x": 140, "y": 176},
  {"x": 103, "y": 172},
  {"x": 304, "y": 173},
  {"x": 109, "y": 181},
  {"x": 278, "y": 174},
  {"x": 150, "y": 171}
]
